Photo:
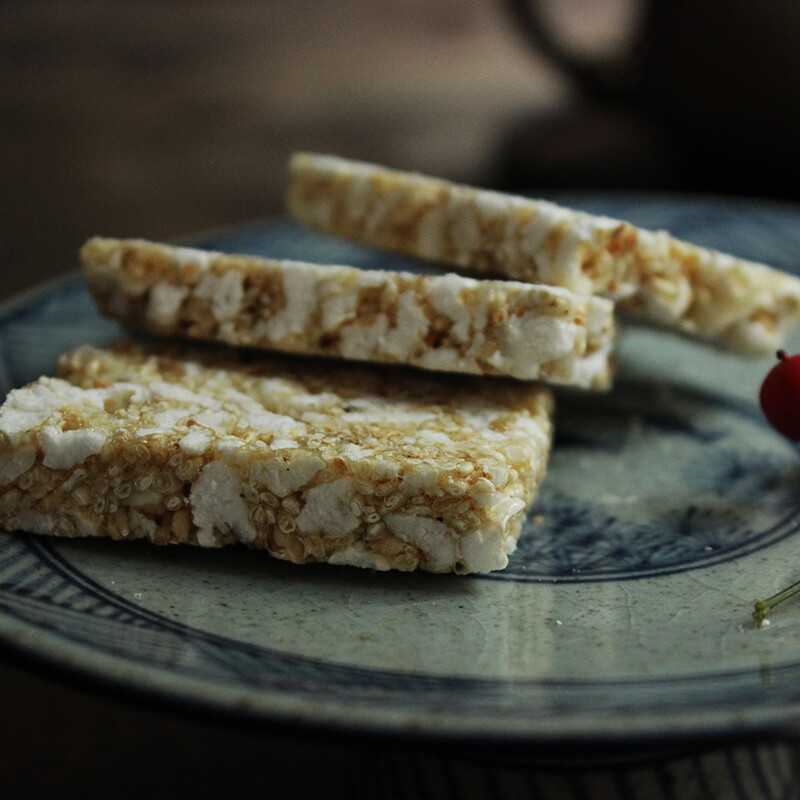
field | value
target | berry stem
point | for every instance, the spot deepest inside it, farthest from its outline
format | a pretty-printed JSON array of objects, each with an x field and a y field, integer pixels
[{"x": 763, "y": 607}]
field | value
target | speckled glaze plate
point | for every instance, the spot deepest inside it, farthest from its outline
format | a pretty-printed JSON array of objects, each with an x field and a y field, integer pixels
[{"x": 669, "y": 507}]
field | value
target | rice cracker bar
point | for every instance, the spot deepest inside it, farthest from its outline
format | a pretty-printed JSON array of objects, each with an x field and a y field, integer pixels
[
  {"x": 738, "y": 304},
  {"x": 308, "y": 462},
  {"x": 437, "y": 322}
]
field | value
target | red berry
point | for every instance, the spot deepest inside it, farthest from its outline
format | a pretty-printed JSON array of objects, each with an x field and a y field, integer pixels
[{"x": 780, "y": 396}]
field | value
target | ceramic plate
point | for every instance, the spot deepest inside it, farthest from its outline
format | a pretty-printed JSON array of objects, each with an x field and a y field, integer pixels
[{"x": 669, "y": 507}]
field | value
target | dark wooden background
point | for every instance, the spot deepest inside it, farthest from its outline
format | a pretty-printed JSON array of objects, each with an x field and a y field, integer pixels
[{"x": 157, "y": 119}]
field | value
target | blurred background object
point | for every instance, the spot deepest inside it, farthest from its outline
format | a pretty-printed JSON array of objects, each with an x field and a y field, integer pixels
[{"x": 689, "y": 95}]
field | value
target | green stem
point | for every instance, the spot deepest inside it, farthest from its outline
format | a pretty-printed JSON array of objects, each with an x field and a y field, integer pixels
[{"x": 763, "y": 607}]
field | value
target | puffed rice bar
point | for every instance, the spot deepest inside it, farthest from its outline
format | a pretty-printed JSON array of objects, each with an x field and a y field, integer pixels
[
  {"x": 370, "y": 468},
  {"x": 742, "y": 305},
  {"x": 437, "y": 322}
]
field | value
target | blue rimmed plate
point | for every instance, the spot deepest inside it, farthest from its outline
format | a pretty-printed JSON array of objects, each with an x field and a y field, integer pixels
[{"x": 668, "y": 508}]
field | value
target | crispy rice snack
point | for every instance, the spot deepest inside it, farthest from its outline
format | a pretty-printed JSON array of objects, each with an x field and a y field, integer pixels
[
  {"x": 734, "y": 303},
  {"x": 438, "y": 322},
  {"x": 378, "y": 469}
]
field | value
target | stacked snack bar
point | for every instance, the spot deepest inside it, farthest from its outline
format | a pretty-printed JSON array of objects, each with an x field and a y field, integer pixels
[
  {"x": 713, "y": 296},
  {"x": 438, "y": 322},
  {"x": 309, "y": 461}
]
